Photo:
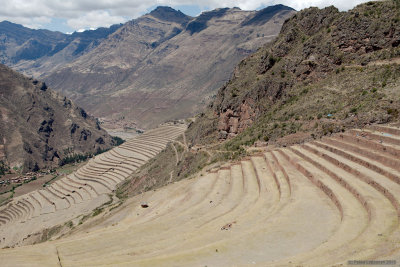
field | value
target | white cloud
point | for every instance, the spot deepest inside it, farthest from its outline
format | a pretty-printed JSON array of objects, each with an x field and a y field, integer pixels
[
  {"x": 95, "y": 13},
  {"x": 94, "y": 19}
]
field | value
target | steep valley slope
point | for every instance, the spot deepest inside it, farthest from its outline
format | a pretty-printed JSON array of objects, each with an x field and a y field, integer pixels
[
  {"x": 165, "y": 65},
  {"x": 39, "y": 127}
]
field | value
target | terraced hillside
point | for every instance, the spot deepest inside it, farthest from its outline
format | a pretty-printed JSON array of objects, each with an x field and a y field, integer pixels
[
  {"x": 81, "y": 191},
  {"x": 317, "y": 204}
]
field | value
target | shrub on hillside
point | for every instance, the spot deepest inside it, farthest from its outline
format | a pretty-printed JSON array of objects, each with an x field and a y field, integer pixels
[
  {"x": 3, "y": 168},
  {"x": 117, "y": 141}
]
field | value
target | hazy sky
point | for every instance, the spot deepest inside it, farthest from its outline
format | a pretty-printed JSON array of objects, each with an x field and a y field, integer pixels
[{"x": 75, "y": 15}]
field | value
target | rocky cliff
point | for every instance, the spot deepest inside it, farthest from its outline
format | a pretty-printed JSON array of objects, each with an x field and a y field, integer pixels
[{"x": 39, "y": 127}]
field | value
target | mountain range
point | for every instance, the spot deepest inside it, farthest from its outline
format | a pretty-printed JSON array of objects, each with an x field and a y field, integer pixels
[
  {"x": 164, "y": 65},
  {"x": 41, "y": 51}
]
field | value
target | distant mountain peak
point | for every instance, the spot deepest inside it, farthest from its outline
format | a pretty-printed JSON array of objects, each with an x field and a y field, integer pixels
[
  {"x": 6, "y": 22},
  {"x": 159, "y": 9},
  {"x": 167, "y": 13},
  {"x": 266, "y": 14}
]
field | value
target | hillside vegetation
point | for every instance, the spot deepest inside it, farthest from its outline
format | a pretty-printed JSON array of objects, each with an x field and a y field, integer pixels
[{"x": 326, "y": 72}]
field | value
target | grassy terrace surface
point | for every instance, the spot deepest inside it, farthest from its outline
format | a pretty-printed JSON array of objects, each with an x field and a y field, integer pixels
[
  {"x": 81, "y": 191},
  {"x": 318, "y": 204}
]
